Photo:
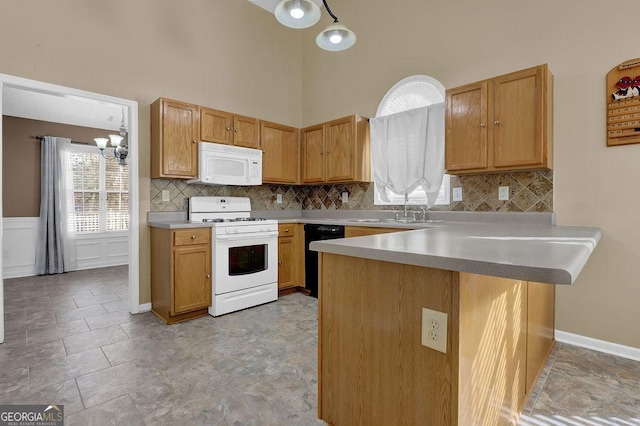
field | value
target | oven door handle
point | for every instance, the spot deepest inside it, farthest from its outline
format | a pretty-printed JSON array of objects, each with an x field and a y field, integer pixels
[{"x": 231, "y": 237}]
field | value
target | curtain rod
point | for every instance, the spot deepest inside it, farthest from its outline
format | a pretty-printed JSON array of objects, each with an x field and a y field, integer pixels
[{"x": 41, "y": 138}]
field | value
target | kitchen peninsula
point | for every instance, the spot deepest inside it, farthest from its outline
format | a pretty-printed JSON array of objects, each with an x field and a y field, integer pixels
[{"x": 495, "y": 283}]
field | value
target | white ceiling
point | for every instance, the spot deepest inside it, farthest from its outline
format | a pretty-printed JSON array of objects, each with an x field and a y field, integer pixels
[
  {"x": 76, "y": 111},
  {"x": 270, "y": 5}
]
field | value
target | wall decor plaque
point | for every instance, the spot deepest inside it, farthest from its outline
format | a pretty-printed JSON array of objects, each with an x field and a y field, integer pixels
[{"x": 623, "y": 104}]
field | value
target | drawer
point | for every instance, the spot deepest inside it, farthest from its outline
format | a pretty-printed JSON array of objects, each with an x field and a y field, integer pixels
[
  {"x": 286, "y": 229},
  {"x": 185, "y": 237}
]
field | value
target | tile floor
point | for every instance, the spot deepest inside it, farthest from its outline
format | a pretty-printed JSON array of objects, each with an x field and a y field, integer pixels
[{"x": 70, "y": 340}]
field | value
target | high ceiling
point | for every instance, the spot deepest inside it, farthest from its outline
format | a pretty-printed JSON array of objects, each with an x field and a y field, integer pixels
[{"x": 270, "y": 5}]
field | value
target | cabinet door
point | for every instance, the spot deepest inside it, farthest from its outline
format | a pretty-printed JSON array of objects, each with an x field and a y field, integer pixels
[
  {"x": 361, "y": 231},
  {"x": 179, "y": 139},
  {"x": 216, "y": 126},
  {"x": 191, "y": 279},
  {"x": 340, "y": 147},
  {"x": 517, "y": 125},
  {"x": 280, "y": 154},
  {"x": 312, "y": 142},
  {"x": 466, "y": 128},
  {"x": 246, "y": 132},
  {"x": 285, "y": 262}
]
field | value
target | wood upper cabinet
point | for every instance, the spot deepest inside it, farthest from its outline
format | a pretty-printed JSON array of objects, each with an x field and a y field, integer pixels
[
  {"x": 466, "y": 127},
  {"x": 174, "y": 137},
  {"x": 280, "y": 153},
  {"x": 337, "y": 151},
  {"x": 312, "y": 144},
  {"x": 216, "y": 126},
  {"x": 224, "y": 127},
  {"x": 246, "y": 132},
  {"x": 501, "y": 124},
  {"x": 180, "y": 273}
]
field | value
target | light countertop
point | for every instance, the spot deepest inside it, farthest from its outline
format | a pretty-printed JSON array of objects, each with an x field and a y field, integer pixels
[
  {"x": 541, "y": 253},
  {"x": 528, "y": 247}
]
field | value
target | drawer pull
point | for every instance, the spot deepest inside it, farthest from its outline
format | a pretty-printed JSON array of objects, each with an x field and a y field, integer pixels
[
  {"x": 193, "y": 237},
  {"x": 286, "y": 230}
]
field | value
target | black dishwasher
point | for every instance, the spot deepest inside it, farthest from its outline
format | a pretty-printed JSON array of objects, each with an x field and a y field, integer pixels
[{"x": 314, "y": 232}]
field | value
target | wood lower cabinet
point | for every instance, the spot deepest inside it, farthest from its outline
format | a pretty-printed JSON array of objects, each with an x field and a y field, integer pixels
[
  {"x": 290, "y": 256},
  {"x": 361, "y": 231},
  {"x": 499, "y": 335},
  {"x": 180, "y": 273},
  {"x": 174, "y": 137},
  {"x": 501, "y": 124},
  {"x": 280, "y": 153},
  {"x": 336, "y": 151}
]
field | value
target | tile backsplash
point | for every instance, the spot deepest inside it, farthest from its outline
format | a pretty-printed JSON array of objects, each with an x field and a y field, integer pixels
[{"x": 528, "y": 192}]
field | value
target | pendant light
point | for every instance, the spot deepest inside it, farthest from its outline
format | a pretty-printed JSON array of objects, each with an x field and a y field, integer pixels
[
  {"x": 336, "y": 36},
  {"x": 118, "y": 143},
  {"x": 297, "y": 13}
]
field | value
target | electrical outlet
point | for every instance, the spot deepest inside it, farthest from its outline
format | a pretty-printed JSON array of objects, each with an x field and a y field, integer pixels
[
  {"x": 165, "y": 195},
  {"x": 279, "y": 198},
  {"x": 434, "y": 330},
  {"x": 345, "y": 197},
  {"x": 457, "y": 194},
  {"x": 503, "y": 193}
]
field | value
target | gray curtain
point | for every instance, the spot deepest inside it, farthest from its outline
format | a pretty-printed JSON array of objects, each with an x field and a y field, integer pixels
[{"x": 50, "y": 245}]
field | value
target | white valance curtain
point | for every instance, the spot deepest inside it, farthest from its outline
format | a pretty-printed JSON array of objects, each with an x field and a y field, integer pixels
[
  {"x": 56, "y": 248},
  {"x": 407, "y": 151}
]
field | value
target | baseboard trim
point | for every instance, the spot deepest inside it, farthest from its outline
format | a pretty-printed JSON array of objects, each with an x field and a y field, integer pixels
[
  {"x": 145, "y": 307},
  {"x": 598, "y": 345}
]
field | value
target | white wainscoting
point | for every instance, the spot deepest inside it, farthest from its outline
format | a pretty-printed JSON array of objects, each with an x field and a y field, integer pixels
[
  {"x": 93, "y": 250},
  {"x": 19, "y": 246},
  {"x": 97, "y": 250}
]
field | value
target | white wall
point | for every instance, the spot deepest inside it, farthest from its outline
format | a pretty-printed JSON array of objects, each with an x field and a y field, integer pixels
[{"x": 94, "y": 250}]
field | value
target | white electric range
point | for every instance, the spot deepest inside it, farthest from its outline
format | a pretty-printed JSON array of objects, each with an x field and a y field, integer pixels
[{"x": 244, "y": 253}]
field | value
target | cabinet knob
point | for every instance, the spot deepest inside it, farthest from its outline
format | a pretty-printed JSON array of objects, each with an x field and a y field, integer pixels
[
  {"x": 321, "y": 152},
  {"x": 194, "y": 141},
  {"x": 264, "y": 152},
  {"x": 208, "y": 276},
  {"x": 228, "y": 129},
  {"x": 286, "y": 230},
  {"x": 279, "y": 262},
  {"x": 497, "y": 122},
  {"x": 482, "y": 125},
  {"x": 235, "y": 130},
  {"x": 193, "y": 237}
]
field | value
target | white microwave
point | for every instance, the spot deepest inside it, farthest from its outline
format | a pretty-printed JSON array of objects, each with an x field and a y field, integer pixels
[{"x": 220, "y": 164}]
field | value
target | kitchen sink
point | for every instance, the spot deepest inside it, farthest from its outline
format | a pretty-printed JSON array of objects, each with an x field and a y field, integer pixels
[{"x": 365, "y": 220}]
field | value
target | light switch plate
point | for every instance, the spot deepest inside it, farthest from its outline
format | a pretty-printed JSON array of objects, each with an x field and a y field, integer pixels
[
  {"x": 503, "y": 193},
  {"x": 457, "y": 194},
  {"x": 165, "y": 195},
  {"x": 434, "y": 330},
  {"x": 345, "y": 197},
  {"x": 279, "y": 198}
]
